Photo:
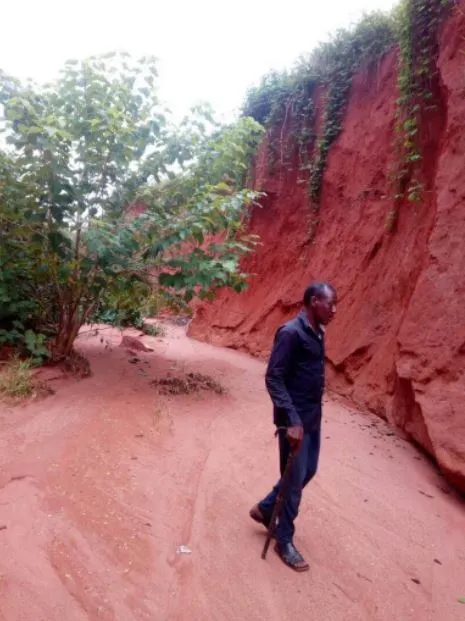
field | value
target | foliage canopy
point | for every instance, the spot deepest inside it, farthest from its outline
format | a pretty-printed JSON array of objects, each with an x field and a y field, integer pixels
[{"x": 81, "y": 153}]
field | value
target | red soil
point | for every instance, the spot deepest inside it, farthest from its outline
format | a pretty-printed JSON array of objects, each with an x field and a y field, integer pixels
[{"x": 103, "y": 481}]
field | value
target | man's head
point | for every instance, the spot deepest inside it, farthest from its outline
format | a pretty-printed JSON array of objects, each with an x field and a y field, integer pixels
[{"x": 320, "y": 302}]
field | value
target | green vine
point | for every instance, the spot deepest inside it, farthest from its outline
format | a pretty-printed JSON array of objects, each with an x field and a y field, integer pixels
[
  {"x": 285, "y": 106},
  {"x": 338, "y": 88},
  {"x": 339, "y": 59},
  {"x": 417, "y": 26},
  {"x": 301, "y": 125},
  {"x": 285, "y": 103}
]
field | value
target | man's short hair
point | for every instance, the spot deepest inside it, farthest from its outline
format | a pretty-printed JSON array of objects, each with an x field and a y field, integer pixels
[{"x": 316, "y": 289}]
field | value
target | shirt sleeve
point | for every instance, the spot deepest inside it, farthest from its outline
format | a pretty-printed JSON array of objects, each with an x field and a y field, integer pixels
[{"x": 277, "y": 371}]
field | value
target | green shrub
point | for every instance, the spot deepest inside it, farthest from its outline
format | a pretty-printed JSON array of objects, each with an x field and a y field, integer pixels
[{"x": 82, "y": 150}]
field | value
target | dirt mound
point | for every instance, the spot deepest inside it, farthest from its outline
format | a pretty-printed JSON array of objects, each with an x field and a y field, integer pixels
[
  {"x": 189, "y": 384},
  {"x": 133, "y": 343},
  {"x": 76, "y": 365}
]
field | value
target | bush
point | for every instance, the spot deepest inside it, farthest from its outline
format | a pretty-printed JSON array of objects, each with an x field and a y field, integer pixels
[{"x": 81, "y": 151}]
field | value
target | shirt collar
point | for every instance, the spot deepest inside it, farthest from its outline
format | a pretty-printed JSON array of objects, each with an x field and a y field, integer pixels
[{"x": 321, "y": 329}]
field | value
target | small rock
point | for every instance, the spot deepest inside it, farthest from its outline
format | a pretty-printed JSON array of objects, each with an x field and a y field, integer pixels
[
  {"x": 415, "y": 580},
  {"x": 183, "y": 550},
  {"x": 133, "y": 343},
  {"x": 437, "y": 561}
]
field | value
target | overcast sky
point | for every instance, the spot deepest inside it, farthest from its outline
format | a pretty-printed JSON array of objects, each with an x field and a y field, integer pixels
[{"x": 208, "y": 50}]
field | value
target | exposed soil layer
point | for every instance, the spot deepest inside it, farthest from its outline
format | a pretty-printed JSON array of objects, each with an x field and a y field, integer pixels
[{"x": 397, "y": 345}]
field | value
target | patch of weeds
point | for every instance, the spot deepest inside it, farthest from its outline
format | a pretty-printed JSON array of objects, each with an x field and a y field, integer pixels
[
  {"x": 16, "y": 379},
  {"x": 189, "y": 384}
]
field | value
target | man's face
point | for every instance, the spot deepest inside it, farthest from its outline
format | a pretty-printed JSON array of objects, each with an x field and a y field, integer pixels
[{"x": 324, "y": 306}]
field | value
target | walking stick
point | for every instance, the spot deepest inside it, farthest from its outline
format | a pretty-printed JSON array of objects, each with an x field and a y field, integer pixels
[{"x": 279, "y": 502}]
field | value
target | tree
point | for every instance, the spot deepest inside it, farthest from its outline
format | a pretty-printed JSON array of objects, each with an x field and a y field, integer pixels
[{"x": 83, "y": 149}]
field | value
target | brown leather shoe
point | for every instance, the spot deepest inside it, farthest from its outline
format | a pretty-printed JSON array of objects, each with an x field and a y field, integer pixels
[{"x": 258, "y": 516}]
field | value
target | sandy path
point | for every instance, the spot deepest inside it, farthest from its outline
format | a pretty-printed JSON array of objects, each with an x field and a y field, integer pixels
[{"x": 100, "y": 483}]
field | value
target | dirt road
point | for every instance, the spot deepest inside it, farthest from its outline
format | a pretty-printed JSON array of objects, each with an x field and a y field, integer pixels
[{"x": 102, "y": 482}]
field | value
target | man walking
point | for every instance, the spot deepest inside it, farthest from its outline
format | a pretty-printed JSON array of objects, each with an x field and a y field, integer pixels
[{"x": 295, "y": 382}]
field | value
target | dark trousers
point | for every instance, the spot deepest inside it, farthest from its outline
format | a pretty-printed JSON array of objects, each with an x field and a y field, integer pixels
[{"x": 304, "y": 469}]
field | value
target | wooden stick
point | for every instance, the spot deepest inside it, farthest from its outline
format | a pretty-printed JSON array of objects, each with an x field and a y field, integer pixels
[{"x": 278, "y": 504}]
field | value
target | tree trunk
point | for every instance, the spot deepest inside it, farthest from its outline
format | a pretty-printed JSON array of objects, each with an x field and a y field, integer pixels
[{"x": 69, "y": 326}]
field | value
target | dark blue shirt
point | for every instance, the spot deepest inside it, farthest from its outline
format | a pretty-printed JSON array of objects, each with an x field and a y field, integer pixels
[{"x": 295, "y": 375}]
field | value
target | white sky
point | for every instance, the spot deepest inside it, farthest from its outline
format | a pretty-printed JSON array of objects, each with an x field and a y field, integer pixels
[{"x": 208, "y": 50}]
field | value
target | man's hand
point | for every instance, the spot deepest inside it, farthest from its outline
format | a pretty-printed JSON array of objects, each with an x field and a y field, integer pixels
[{"x": 295, "y": 435}]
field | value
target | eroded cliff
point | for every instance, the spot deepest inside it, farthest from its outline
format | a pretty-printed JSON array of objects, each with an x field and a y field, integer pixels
[{"x": 397, "y": 345}]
